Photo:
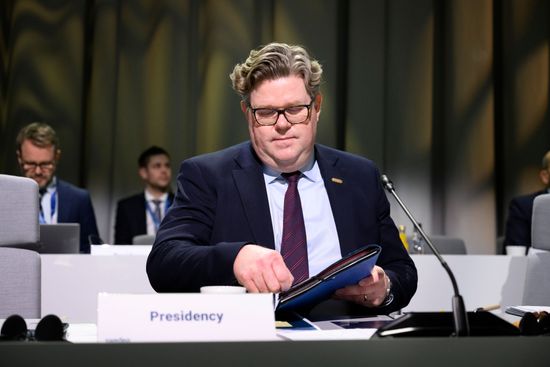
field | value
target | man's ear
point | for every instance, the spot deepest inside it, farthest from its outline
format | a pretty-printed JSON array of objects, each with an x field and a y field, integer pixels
[
  {"x": 244, "y": 107},
  {"x": 57, "y": 155},
  {"x": 545, "y": 177},
  {"x": 143, "y": 173},
  {"x": 318, "y": 102}
]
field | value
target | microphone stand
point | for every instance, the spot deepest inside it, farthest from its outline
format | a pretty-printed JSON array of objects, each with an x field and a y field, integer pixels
[{"x": 460, "y": 317}]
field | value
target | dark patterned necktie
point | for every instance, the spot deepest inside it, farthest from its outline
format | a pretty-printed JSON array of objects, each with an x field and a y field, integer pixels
[
  {"x": 293, "y": 243},
  {"x": 158, "y": 215}
]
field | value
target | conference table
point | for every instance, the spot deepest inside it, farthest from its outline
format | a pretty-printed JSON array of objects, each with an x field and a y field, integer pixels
[
  {"x": 70, "y": 284},
  {"x": 426, "y": 352}
]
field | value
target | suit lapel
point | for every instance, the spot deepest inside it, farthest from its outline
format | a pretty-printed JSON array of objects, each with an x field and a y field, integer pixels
[
  {"x": 61, "y": 209},
  {"x": 250, "y": 184},
  {"x": 142, "y": 222},
  {"x": 340, "y": 196}
]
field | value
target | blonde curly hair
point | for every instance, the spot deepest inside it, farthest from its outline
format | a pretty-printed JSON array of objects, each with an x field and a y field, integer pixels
[{"x": 273, "y": 61}]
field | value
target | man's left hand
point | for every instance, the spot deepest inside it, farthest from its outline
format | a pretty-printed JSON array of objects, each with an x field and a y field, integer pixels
[{"x": 369, "y": 292}]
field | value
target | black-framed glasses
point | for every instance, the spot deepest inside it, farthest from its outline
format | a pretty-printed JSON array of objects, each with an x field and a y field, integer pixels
[
  {"x": 49, "y": 328},
  {"x": 44, "y": 166},
  {"x": 294, "y": 114}
]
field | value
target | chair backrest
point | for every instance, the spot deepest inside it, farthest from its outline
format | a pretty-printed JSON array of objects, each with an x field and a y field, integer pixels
[
  {"x": 536, "y": 291},
  {"x": 18, "y": 211},
  {"x": 447, "y": 245},
  {"x": 143, "y": 239},
  {"x": 20, "y": 283},
  {"x": 540, "y": 227}
]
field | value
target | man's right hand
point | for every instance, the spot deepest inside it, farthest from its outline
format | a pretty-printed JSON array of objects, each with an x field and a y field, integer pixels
[{"x": 261, "y": 270}]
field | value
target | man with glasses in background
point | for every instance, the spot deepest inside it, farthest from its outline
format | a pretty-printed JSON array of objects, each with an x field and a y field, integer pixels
[
  {"x": 228, "y": 224},
  {"x": 38, "y": 152}
]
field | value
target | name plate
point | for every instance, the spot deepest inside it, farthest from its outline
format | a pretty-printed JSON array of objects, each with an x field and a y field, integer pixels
[{"x": 185, "y": 317}]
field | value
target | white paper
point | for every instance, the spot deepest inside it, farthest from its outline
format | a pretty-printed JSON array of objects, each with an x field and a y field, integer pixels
[{"x": 336, "y": 334}]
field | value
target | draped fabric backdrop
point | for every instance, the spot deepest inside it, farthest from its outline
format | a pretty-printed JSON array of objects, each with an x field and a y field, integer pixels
[{"x": 449, "y": 98}]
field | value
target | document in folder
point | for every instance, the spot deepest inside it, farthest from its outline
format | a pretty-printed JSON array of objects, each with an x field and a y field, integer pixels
[{"x": 347, "y": 271}]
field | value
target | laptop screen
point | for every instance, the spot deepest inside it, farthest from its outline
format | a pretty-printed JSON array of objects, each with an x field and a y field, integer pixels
[{"x": 61, "y": 238}]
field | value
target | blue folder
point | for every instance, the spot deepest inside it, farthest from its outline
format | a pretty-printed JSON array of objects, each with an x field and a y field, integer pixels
[{"x": 347, "y": 271}]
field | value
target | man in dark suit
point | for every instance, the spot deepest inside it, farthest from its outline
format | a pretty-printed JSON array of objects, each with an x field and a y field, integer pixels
[
  {"x": 520, "y": 211},
  {"x": 38, "y": 154},
  {"x": 227, "y": 222},
  {"x": 142, "y": 213}
]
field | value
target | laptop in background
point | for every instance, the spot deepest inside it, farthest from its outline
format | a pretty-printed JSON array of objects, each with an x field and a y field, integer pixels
[{"x": 61, "y": 238}]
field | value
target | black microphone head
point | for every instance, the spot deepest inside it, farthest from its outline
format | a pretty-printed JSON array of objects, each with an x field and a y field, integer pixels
[
  {"x": 386, "y": 182},
  {"x": 50, "y": 328},
  {"x": 14, "y": 328}
]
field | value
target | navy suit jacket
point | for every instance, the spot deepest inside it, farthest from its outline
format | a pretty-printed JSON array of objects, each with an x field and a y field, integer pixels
[
  {"x": 75, "y": 206},
  {"x": 221, "y": 204},
  {"x": 518, "y": 224},
  {"x": 131, "y": 218}
]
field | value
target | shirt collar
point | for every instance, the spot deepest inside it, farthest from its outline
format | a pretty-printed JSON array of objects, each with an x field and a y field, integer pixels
[
  {"x": 52, "y": 186},
  {"x": 149, "y": 197},
  {"x": 310, "y": 171}
]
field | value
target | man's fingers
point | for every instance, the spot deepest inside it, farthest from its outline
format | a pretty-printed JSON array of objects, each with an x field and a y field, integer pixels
[
  {"x": 250, "y": 286},
  {"x": 262, "y": 270},
  {"x": 283, "y": 275}
]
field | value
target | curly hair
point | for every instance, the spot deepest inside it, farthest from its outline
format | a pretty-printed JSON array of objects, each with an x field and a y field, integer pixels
[{"x": 273, "y": 61}]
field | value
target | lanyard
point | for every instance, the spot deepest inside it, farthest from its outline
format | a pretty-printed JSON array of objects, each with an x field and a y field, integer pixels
[
  {"x": 53, "y": 202},
  {"x": 156, "y": 220}
]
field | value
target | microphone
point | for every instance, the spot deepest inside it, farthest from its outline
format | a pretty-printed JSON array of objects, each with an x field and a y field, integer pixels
[{"x": 460, "y": 317}]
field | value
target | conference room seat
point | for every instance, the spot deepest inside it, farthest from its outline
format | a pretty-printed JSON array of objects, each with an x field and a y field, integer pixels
[
  {"x": 20, "y": 283},
  {"x": 537, "y": 277},
  {"x": 445, "y": 245},
  {"x": 143, "y": 239},
  {"x": 19, "y": 212}
]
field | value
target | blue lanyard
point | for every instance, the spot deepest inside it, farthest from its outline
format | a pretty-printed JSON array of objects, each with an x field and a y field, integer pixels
[
  {"x": 156, "y": 221},
  {"x": 53, "y": 204}
]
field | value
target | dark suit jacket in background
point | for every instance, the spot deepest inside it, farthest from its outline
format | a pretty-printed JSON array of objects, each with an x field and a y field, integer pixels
[
  {"x": 75, "y": 206},
  {"x": 131, "y": 218},
  {"x": 518, "y": 224},
  {"x": 221, "y": 205}
]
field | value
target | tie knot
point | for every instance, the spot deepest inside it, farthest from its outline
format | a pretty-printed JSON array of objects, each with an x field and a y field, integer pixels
[
  {"x": 42, "y": 191},
  {"x": 156, "y": 202},
  {"x": 292, "y": 177}
]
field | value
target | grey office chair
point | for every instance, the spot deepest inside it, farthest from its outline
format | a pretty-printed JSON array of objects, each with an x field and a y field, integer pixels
[
  {"x": 537, "y": 278},
  {"x": 20, "y": 283},
  {"x": 18, "y": 212},
  {"x": 447, "y": 245},
  {"x": 143, "y": 239},
  {"x": 540, "y": 223}
]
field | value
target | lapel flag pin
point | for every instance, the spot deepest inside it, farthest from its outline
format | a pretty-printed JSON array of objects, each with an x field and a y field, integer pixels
[{"x": 337, "y": 180}]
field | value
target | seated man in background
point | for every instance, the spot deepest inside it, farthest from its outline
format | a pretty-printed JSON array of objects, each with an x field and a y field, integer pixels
[
  {"x": 229, "y": 223},
  {"x": 142, "y": 213},
  {"x": 520, "y": 211},
  {"x": 38, "y": 152}
]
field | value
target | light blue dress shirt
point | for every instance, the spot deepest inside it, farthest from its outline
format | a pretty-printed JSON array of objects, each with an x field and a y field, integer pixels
[
  {"x": 50, "y": 203},
  {"x": 323, "y": 246}
]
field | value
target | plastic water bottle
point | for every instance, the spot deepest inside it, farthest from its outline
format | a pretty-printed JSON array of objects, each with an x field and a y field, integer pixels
[{"x": 417, "y": 241}]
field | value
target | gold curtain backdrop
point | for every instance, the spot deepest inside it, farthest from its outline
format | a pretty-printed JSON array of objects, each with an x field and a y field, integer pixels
[{"x": 449, "y": 98}]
